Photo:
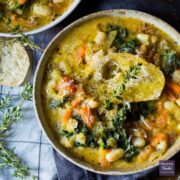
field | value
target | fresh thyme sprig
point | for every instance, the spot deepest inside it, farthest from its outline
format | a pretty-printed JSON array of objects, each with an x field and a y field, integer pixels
[
  {"x": 9, "y": 116},
  {"x": 5, "y": 102},
  {"x": 131, "y": 73},
  {"x": 9, "y": 158},
  {"x": 24, "y": 39},
  {"x": 27, "y": 92}
]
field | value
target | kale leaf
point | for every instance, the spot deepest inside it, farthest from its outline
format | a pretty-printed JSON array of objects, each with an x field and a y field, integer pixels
[
  {"x": 129, "y": 46},
  {"x": 169, "y": 62},
  {"x": 108, "y": 105},
  {"x": 53, "y": 104},
  {"x": 120, "y": 41},
  {"x": 130, "y": 153}
]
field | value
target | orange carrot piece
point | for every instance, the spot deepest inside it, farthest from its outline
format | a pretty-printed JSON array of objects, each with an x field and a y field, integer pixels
[
  {"x": 171, "y": 96},
  {"x": 87, "y": 116},
  {"x": 67, "y": 115},
  {"x": 162, "y": 118},
  {"x": 22, "y": 1},
  {"x": 102, "y": 159},
  {"x": 175, "y": 88},
  {"x": 157, "y": 138},
  {"x": 75, "y": 102},
  {"x": 81, "y": 53}
]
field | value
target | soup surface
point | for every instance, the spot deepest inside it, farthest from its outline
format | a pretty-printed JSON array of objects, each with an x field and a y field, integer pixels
[
  {"x": 111, "y": 92},
  {"x": 27, "y": 15}
]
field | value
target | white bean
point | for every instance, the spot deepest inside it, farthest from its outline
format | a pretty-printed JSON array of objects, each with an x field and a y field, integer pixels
[
  {"x": 176, "y": 76},
  {"x": 114, "y": 155},
  {"x": 143, "y": 38},
  {"x": 100, "y": 38},
  {"x": 139, "y": 142},
  {"x": 41, "y": 10}
]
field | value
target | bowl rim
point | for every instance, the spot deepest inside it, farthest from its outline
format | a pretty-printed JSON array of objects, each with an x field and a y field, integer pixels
[
  {"x": 49, "y": 25},
  {"x": 122, "y": 13}
]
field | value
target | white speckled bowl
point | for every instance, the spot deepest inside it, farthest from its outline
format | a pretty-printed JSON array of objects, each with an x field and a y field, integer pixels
[
  {"x": 49, "y": 25},
  {"x": 39, "y": 106}
]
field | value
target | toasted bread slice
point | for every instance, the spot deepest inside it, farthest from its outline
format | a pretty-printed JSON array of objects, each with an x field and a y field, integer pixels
[
  {"x": 148, "y": 84},
  {"x": 14, "y": 63}
]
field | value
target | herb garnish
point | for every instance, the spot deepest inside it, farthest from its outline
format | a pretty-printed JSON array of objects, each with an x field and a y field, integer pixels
[
  {"x": 131, "y": 73},
  {"x": 16, "y": 30},
  {"x": 169, "y": 62},
  {"x": 10, "y": 115}
]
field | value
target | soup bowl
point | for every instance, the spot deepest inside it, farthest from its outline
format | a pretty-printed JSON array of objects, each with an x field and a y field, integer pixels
[
  {"x": 38, "y": 104},
  {"x": 49, "y": 25}
]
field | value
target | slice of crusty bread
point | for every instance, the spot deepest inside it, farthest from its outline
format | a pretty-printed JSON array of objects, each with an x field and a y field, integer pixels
[{"x": 14, "y": 63}]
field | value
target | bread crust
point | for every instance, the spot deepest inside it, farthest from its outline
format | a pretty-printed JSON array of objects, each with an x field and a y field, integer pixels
[{"x": 14, "y": 63}]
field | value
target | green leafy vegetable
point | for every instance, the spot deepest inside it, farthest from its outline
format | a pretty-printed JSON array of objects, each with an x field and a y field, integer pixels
[
  {"x": 129, "y": 46},
  {"x": 122, "y": 32},
  {"x": 53, "y": 104},
  {"x": 108, "y": 105},
  {"x": 132, "y": 73},
  {"x": 121, "y": 136},
  {"x": 120, "y": 39},
  {"x": 66, "y": 133},
  {"x": 169, "y": 62},
  {"x": 130, "y": 153},
  {"x": 146, "y": 108}
]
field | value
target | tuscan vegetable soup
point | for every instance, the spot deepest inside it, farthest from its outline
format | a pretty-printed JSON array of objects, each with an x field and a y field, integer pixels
[
  {"x": 112, "y": 92},
  {"x": 27, "y": 15}
]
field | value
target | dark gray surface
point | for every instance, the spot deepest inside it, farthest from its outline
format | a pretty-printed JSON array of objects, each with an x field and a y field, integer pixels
[{"x": 168, "y": 10}]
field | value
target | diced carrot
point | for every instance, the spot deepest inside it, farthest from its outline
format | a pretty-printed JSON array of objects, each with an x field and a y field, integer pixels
[
  {"x": 75, "y": 102},
  {"x": 171, "y": 96},
  {"x": 162, "y": 118},
  {"x": 175, "y": 88},
  {"x": 67, "y": 115},
  {"x": 87, "y": 116},
  {"x": 102, "y": 157},
  {"x": 22, "y": 1},
  {"x": 158, "y": 138},
  {"x": 80, "y": 55}
]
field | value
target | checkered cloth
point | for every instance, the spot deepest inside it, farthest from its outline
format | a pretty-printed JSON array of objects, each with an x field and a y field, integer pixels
[{"x": 30, "y": 142}]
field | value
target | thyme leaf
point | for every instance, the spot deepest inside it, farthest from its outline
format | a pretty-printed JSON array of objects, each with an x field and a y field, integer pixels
[
  {"x": 27, "y": 92},
  {"x": 131, "y": 73},
  {"x": 10, "y": 115},
  {"x": 9, "y": 158}
]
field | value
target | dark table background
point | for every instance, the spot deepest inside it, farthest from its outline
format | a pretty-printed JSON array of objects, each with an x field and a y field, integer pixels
[{"x": 168, "y": 10}]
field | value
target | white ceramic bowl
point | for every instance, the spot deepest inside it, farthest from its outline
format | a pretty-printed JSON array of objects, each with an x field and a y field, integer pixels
[
  {"x": 39, "y": 80},
  {"x": 49, "y": 25}
]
